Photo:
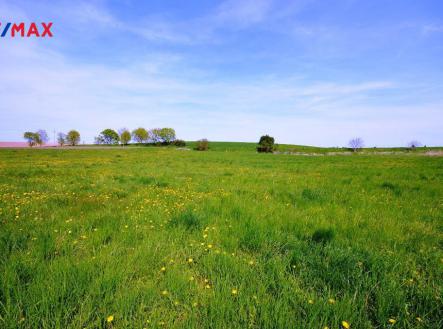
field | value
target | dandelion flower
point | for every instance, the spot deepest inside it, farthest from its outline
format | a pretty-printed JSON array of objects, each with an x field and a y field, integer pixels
[
  {"x": 310, "y": 301},
  {"x": 208, "y": 286},
  {"x": 164, "y": 292},
  {"x": 191, "y": 278},
  {"x": 251, "y": 262},
  {"x": 163, "y": 269},
  {"x": 110, "y": 318},
  {"x": 190, "y": 260},
  {"x": 392, "y": 321},
  {"x": 419, "y": 319},
  {"x": 209, "y": 246},
  {"x": 345, "y": 325},
  {"x": 331, "y": 301},
  {"x": 234, "y": 291}
]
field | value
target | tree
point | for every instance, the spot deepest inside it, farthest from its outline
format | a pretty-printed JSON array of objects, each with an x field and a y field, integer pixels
[
  {"x": 166, "y": 135},
  {"x": 155, "y": 135},
  {"x": 125, "y": 136},
  {"x": 266, "y": 144},
  {"x": 356, "y": 144},
  {"x": 32, "y": 138},
  {"x": 108, "y": 136},
  {"x": 61, "y": 139},
  {"x": 413, "y": 144},
  {"x": 202, "y": 145},
  {"x": 43, "y": 137},
  {"x": 140, "y": 135},
  {"x": 73, "y": 137}
]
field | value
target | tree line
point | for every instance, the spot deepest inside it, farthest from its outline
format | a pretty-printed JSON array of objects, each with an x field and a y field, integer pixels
[
  {"x": 157, "y": 136},
  {"x": 162, "y": 136},
  {"x": 40, "y": 137}
]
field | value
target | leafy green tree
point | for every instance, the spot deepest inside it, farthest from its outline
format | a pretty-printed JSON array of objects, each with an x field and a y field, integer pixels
[
  {"x": 140, "y": 135},
  {"x": 266, "y": 144},
  {"x": 155, "y": 135},
  {"x": 166, "y": 135},
  {"x": 125, "y": 136},
  {"x": 43, "y": 137},
  {"x": 61, "y": 139},
  {"x": 108, "y": 136},
  {"x": 73, "y": 137},
  {"x": 32, "y": 138}
]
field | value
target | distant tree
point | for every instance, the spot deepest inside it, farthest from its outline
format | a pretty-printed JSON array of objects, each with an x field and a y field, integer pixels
[
  {"x": 73, "y": 137},
  {"x": 166, "y": 135},
  {"x": 155, "y": 135},
  {"x": 266, "y": 144},
  {"x": 356, "y": 144},
  {"x": 32, "y": 138},
  {"x": 202, "y": 145},
  {"x": 108, "y": 136},
  {"x": 43, "y": 136},
  {"x": 125, "y": 136},
  {"x": 413, "y": 144},
  {"x": 61, "y": 139},
  {"x": 140, "y": 135}
]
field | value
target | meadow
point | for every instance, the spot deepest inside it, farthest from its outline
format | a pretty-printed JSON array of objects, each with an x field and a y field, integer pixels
[{"x": 158, "y": 237}]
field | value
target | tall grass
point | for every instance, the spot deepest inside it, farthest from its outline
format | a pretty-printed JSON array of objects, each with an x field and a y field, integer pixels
[{"x": 161, "y": 238}]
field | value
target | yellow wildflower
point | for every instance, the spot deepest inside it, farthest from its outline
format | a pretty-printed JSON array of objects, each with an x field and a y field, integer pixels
[
  {"x": 234, "y": 291},
  {"x": 190, "y": 260},
  {"x": 331, "y": 301},
  {"x": 310, "y": 301},
  {"x": 110, "y": 318},
  {"x": 345, "y": 325},
  {"x": 164, "y": 292},
  {"x": 392, "y": 321},
  {"x": 163, "y": 269}
]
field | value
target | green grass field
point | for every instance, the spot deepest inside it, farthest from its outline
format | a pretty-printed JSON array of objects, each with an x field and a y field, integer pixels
[{"x": 164, "y": 238}]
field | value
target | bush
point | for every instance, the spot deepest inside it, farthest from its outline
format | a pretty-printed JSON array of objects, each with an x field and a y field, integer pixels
[
  {"x": 202, "y": 145},
  {"x": 266, "y": 144},
  {"x": 179, "y": 143}
]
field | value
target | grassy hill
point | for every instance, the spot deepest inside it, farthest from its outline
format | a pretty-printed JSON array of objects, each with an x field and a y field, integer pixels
[
  {"x": 284, "y": 148},
  {"x": 156, "y": 237}
]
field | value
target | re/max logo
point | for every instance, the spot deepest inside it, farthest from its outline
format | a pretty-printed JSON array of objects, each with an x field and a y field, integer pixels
[{"x": 23, "y": 30}]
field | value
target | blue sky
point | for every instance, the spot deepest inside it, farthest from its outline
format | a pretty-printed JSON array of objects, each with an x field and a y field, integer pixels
[{"x": 306, "y": 71}]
